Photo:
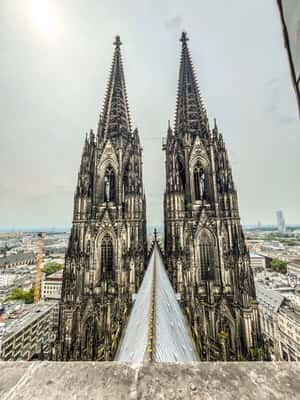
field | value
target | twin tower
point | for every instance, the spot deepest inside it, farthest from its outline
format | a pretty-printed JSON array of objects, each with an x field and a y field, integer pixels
[{"x": 204, "y": 247}]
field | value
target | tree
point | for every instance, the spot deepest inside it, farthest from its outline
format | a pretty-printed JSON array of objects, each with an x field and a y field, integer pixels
[
  {"x": 52, "y": 267},
  {"x": 278, "y": 265},
  {"x": 20, "y": 294}
]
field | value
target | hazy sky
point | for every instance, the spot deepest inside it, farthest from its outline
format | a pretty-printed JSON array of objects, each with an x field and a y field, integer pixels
[{"x": 54, "y": 66}]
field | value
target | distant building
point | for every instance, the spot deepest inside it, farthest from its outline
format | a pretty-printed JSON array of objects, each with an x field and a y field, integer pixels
[
  {"x": 258, "y": 262},
  {"x": 293, "y": 267},
  {"x": 280, "y": 323},
  {"x": 269, "y": 304},
  {"x": 280, "y": 221},
  {"x": 27, "y": 332},
  {"x": 54, "y": 250},
  {"x": 6, "y": 278},
  {"x": 289, "y": 332},
  {"x": 17, "y": 259},
  {"x": 51, "y": 286}
]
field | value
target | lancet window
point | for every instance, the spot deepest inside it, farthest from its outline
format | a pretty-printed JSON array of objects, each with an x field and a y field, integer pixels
[
  {"x": 107, "y": 257},
  {"x": 207, "y": 257}
]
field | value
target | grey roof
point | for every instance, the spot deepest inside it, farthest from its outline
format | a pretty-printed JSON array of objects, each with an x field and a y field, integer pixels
[
  {"x": 18, "y": 321},
  {"x": 268, "y": 297},
  {"x": 172, "y": 339},
  {"x": 255, "y": 255},
  {"x": 16, "y": 258}
]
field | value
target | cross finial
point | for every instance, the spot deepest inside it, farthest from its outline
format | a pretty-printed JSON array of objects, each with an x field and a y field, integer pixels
[
  {"x": 118, "y": 42},
  {"x": 184, "y": 38}
]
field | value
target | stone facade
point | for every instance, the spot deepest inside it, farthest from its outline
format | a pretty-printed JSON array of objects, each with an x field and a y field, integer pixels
[
  {"x": 107, "y": 247},
  {"x": 206, "y": 255}
]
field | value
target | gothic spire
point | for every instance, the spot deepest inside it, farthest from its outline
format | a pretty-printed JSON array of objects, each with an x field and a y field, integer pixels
[
  {"x": 190, "y": 111},
  {"x": 115, "y": 116}
]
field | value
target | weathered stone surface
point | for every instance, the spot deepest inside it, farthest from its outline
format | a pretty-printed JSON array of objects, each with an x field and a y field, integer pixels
[
  {"x": 74, "y": 380},
  {"x": 10, "y": 375},
  {"x": 220, "y": 381},
  {"x": 112, "y": 380}
]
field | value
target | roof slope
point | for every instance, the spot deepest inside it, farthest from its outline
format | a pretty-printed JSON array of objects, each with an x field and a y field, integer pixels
[{"x": 171, "y": 340}]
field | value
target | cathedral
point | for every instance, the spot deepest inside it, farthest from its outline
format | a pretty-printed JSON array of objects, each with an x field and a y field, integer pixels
[
  {"x": 205, "y": 251},
  {"x": 202, "y": 272},
  {"x": 107, "y": 249}
]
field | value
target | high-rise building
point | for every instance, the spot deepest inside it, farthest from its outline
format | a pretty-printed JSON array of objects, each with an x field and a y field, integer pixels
[
  {"x": 280, "y": 221},
  {"x": 107, "y": 248},
  {"x": 205, "y": 251}
]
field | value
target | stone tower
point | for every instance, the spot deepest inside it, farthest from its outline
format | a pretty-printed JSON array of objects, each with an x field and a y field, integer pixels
[
  {"x": 207, "y": 259},
  {"x": 107, "y": 247}
]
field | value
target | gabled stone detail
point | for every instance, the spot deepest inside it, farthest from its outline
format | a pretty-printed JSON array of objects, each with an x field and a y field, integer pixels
[{"x": 107, "y": 155}]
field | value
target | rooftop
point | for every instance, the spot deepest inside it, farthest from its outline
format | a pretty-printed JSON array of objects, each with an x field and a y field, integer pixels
[
  {"x": 268, "y": 297},
  {"x": 56, "y": 276},
  {"x": 158, "y": 318},
  {"x": 13, "y": 258},
  {"x": 21, "y": 317},
  {"x": 255, "y": 255}
]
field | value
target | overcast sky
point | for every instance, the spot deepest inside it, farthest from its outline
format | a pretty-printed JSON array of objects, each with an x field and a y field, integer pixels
[{"x": 54, "y": 66}]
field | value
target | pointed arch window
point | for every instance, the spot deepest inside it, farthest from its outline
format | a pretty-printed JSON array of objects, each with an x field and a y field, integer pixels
[
  {"x": 109, "y": 184},
  {"x": 181, "y": 175},
  {"x": 207, "y": 257},
  {"x": 107, "y": 257},
  {"x": 126, "y": 180},
  {"x": 199, "y": 182}
]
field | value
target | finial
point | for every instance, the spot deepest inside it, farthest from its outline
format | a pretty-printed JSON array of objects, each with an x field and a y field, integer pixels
[
  {"x": 155, "y": 235},
  {"x": 117, "y": 42},
  {"x": 184, "y": 38},
  {"x": 169, "y": 126}
]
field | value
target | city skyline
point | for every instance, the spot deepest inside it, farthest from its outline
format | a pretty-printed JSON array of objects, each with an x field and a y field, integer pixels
[{"x": 54, "y": 76}]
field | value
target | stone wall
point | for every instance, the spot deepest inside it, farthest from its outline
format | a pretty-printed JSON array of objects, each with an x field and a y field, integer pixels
[{"x": 113, "y": 380}]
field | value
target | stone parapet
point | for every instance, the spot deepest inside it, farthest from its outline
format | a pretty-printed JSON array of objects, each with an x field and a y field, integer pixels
[{"x": 113, "y": 380}]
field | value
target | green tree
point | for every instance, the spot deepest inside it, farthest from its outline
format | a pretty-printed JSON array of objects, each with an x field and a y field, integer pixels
[
  {"x": 52, "y": 267},
  {"x": 278, "y": 265},
  {"x": 20, "y": 294}
]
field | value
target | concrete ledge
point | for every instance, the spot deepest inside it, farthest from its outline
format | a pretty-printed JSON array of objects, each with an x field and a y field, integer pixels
[{"x": 103, "y": 381}]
